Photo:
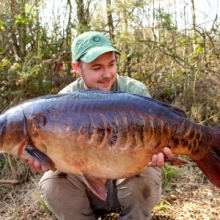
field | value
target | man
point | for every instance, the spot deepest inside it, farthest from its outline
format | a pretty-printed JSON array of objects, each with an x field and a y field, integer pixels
[{"x": 68, "y": 197}]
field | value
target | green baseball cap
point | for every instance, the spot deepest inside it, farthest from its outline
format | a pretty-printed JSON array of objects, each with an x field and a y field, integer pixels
[{"x": 90, "y": 45}]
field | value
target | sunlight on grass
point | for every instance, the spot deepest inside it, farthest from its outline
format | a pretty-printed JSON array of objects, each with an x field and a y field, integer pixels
[
  {"x": 42, "y": 202},
  {"x": 160, "y": 207}
]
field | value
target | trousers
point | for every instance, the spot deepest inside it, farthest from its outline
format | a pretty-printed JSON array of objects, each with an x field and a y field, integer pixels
[{"x": 69, "y": 198}]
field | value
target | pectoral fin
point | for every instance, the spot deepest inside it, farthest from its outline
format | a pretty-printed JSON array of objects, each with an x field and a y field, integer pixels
[
  {"x": 97, "y": 186},
  {"x": 175, "y": 161},
  {"x": 40, "y": 157}
]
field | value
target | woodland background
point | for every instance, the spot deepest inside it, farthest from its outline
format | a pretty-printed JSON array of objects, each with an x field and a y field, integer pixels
[
  {"x": 168, "y": 45},
  {"x": 172, "y": 46}
]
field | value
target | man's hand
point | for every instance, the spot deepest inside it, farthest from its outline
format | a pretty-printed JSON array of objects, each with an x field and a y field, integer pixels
[
  {"x": 34, "y": 165},
  {"x": 158, "y": 159}
]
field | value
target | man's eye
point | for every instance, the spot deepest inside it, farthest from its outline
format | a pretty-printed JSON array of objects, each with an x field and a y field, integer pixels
[{"x": 97, "y": 68}]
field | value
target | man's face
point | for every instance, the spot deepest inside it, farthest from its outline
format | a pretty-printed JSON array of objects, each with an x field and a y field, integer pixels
[{"x": 101, "y": 73}]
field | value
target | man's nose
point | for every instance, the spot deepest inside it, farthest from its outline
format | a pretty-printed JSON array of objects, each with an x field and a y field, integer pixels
[{"x": 106, "y": 72}]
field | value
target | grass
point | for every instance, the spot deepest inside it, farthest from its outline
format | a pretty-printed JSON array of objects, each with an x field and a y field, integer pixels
[
  {"x": 170, "y": 174},
  {"x": 40, "y": 199},
  {"x": 160, "y": 207}
]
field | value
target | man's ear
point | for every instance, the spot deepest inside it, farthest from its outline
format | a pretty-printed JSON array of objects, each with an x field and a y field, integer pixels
[{"x": 76, "y": 68}]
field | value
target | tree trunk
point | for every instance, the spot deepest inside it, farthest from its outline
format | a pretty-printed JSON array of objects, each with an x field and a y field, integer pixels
[
  {"x": 14, "y": 44},
  {"x": 193, "y": 17},
  {"x": 83, "y": 15},
  {"x": 110, "y": 19}
]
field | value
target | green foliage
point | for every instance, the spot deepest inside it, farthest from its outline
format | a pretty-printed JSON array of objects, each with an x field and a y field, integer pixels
[
  {"x": 42, "y": 202},
  {"x": 166, "y": 20},
  {"x": 4, "y": 189},
  {"x": 22, "y": 19},
  {"x": 170, "y": 174},
  {"x": 161, "y": 207},
  {"x": 28, "y": 61},
  {"x": 2, "y": 25},
  {"x": 20, "y": 82},
  {"x": 6, "y": 173}
]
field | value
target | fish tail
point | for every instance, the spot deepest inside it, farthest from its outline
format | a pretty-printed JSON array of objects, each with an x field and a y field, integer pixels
[{"x": 210, "y": 163}]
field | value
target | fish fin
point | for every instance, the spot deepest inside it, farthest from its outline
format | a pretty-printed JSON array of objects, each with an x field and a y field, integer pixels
[
  {"x": 175, "y": 161},
  {"x": 175, "y": 110},
  {"x": 40, "y": 157},
  {"x": 210, "y": 163},
  {"x": 97, "y": 186},
  {"x": 170, "y": 108}
]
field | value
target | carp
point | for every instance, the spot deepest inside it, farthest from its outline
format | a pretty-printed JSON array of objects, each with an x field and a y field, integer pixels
[{"x": 105, "y": 135}]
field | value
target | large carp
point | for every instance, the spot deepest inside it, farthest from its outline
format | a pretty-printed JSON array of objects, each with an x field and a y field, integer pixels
[{"x": 105, "y": 135}]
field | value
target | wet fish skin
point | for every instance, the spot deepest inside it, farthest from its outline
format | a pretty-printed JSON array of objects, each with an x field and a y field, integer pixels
[{"x": 106, "y": 135}]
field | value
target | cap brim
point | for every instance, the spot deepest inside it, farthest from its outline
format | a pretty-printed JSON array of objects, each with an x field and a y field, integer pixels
[{"x": 95, "y": 52}]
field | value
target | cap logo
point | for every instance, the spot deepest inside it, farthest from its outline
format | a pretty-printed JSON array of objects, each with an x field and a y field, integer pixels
[{"x": 96, "y": 39}]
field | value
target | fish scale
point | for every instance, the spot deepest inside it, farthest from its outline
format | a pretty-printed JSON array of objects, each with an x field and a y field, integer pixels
[{"x": 105, "y": 135}]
